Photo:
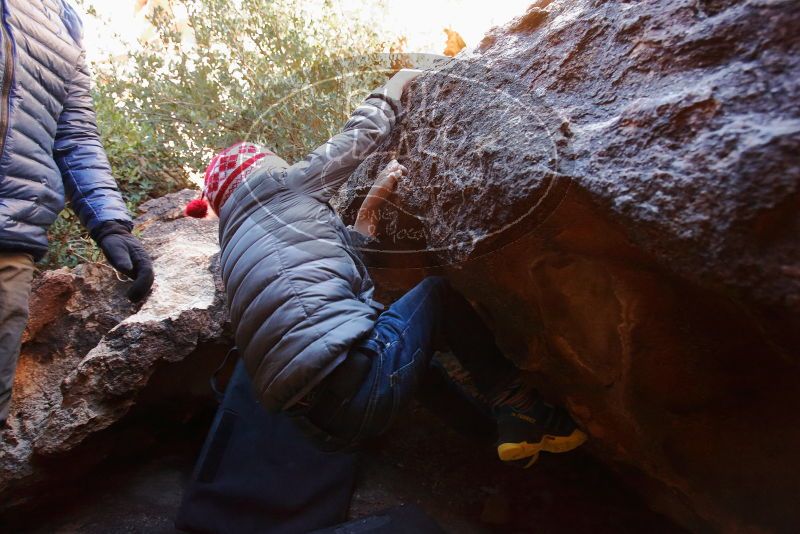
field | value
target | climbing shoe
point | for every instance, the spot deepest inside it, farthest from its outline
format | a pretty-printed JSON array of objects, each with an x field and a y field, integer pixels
[{"x": 523, "y": 435}]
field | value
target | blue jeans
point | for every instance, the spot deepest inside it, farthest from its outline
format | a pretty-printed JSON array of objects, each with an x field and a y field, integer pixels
[{"x": 430, "y": 317}]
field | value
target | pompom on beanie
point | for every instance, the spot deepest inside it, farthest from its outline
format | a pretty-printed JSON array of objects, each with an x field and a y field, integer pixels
[{"x": 226, "y": 172}]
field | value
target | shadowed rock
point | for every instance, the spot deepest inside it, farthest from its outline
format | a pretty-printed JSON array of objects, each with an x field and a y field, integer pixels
[
  {"x": 89, "y": 353},
  {"x": 618, "y": 186}
]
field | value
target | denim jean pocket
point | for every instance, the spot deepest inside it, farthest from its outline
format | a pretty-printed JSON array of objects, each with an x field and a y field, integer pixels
[
  {"x": 403, "y": 382},
  {"x": 399, "y": 377}
]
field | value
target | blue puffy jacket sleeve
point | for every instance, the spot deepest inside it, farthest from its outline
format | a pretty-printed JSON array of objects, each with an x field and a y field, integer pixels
[{"x": 82, "y": 160}]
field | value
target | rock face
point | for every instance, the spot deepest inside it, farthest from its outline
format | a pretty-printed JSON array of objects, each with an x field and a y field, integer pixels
[
  {"x": 89, "y": 354},
  {"x": 618, "y": 185}
]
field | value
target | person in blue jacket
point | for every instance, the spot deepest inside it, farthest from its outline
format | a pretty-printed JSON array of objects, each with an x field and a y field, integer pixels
[{"x": 50, "y": 150}]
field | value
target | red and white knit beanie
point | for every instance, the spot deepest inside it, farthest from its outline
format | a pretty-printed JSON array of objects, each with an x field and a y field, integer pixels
[{"x": 227, "y": 171}]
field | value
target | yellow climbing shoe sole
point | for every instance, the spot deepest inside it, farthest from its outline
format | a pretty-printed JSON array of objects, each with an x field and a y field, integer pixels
[
  {"x": 516, "y": 453},
  {"x": 509, "y": 452},
  {"x": 558, "y": 444}
]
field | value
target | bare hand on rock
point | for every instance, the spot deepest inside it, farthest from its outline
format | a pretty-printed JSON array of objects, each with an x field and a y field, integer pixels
[
  {"x": 396, "y": 85},
  {"x": 384, "y": 186}
]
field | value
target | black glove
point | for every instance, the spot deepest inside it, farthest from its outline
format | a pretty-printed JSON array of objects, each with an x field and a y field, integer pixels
[{"x": 127, "y": 255}]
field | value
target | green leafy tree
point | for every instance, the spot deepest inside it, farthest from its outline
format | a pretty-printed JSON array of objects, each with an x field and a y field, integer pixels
[{"x": 284, "y": 73}]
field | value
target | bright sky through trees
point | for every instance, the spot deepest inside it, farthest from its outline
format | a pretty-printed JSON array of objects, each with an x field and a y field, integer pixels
[{"x": 420, "y": 21}]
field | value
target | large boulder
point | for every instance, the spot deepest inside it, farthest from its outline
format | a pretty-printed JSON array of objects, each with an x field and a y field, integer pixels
[
  {"x": 89, "y": 355},
  {"x": 617, "y": 186}
]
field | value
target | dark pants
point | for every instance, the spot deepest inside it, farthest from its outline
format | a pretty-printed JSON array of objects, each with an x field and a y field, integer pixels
[
  {"x": 393, "y": 361},
  {"x": 16, "y": 275}
]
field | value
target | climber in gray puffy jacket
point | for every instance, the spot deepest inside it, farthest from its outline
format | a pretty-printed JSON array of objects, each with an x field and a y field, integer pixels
[{"x": 301, "y": 300}]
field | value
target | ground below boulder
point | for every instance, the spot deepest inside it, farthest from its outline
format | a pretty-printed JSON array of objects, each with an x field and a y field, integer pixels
[{"x": 457, "y": 481}]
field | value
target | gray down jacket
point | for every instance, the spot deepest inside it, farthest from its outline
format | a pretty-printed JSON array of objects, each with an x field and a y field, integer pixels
[
  {"x": 299, "y": 294},
  {"x": 49, "y": 145}
]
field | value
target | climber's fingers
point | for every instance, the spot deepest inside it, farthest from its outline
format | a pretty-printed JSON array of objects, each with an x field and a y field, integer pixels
[
  {"x": 393, "y": 166},
  {"x": 397, "y": 83},
  {"x": 385, "y": 186}
]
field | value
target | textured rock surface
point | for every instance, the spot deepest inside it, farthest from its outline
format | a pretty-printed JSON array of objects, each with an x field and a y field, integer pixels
[
  {"x": 89, "y": 354},
  {"x": 618, "y": 185}
]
